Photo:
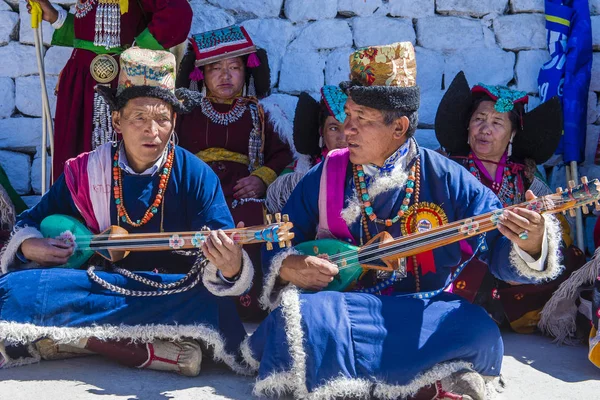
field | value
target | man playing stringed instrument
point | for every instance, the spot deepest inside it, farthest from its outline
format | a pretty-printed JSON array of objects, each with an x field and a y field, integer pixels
[
  {"x": 144, "y": 184},
  {"x": 397, "y": 334}
]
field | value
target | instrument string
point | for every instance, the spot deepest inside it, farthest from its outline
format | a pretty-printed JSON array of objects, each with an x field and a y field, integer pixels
[{"x": 480, "y": 219}]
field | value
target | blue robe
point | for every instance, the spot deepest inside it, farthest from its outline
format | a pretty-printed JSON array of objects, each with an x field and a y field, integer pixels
[
  {"x": 362, "y": 344},
  {"x": 57, "y": 302}
]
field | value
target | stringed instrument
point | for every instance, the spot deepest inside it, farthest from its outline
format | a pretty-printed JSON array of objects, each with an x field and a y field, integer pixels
[
  {"x": 383, "y": 252},
  {"x": 115, "y": 243}
]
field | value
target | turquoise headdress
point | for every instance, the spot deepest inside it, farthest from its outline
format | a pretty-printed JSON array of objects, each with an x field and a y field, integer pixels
[
  {"x": 335, "y": 99},
  {"x": 504, "y": 97}
]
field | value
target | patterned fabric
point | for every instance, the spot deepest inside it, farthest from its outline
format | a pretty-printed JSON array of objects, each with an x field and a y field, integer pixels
[
  {"x": 505, "y": 98},
  {"x": 390, "y": 65},
  {"x": 335, "y": 99},
  {"x": 143, "y": 67},
  {"x": 218, "y": 154},
  {"x": 212, "y": 46},
  {"x": 508, "y": 184}
]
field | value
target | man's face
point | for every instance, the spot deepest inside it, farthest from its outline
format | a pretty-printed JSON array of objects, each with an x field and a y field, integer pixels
[
  {"x": 369, "y": 139},
  {"x": 146, "y": 124}
]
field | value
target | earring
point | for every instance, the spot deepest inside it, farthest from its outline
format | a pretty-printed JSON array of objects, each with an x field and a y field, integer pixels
[
  {"x": 251, "y": 87},
  {"x": 194, "y": 86},
  {"x": 114, "y": 138},
  {"x": 510, "y": 145},
  {"x": 174, "y": 138},
  {"x": 321, "y": 142},
  {"x": 244, "y": 91},
  {"x": 203, "y": 91}
]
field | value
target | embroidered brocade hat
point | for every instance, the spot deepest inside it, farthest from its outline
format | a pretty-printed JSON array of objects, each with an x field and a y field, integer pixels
[
  {"x": 540, "y": 129},
  {"x": 384, "y": 77},
  {"x": 145, "y": 73},
  {"x": 311, "y": 114},
  {"x": 220, "y": 44}
]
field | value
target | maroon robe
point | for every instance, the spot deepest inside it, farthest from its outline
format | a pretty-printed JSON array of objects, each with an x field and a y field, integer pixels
[
  {"x": 196, "y": 133},
  {"x": 169, "y": 23}
]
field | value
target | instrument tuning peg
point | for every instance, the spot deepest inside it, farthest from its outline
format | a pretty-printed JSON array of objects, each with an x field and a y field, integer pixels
[
  {"x": 277, "y": 217},
  {"x": 281, "y": 244},
  {"x": 572, "y": 213},
  {"x": 285, "y": 218},
  {"x": 572, "y": 184},
  {"x": 585, "y": 209},
  {"x": 584, "y": 180},
  {"x": 288, "y": 243},
  {"x": 559, "y": 190},
  {"x": 597, "y": 206},
  {"x": 269, "y": 246},
  {"x": 564, "y": 212},
  {"x": 269, "y": 218}
]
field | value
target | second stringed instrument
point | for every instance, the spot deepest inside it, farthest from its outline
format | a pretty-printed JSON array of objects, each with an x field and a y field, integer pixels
[
  {"x": 383, "y": 252},
  {"x": 115, "y": 243}
]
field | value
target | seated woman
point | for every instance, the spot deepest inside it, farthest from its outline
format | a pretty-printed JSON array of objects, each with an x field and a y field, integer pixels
[
  {"x": 501, "y": 146},
  {"x": 318, "y": 128},
  {"x": 144, "y": 184},
  {"x": 228, "y": 128}
]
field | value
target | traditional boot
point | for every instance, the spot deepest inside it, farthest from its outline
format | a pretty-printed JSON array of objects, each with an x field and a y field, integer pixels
[
  {"x": 49, "y": 350},
  {"x": 183, "y": 357},
  {"x": 462, "y": 385}
]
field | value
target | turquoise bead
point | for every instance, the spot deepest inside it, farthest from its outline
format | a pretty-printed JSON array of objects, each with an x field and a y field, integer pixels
[
  {"x": 165, "y": 170},
  {"x": 395, "y": 219},
  {"x": 118, "y": 201},
  {"x": 363, "y": 185},
  {"x": 138, "y": 221},
  {"x": 361, "y": 173},
  {"x": 410, "y": 184},
  {"x": 404, "y": 207},
  {"x": 369, "y": 210},
  {"x": 124, "y": 218},
  {"x": 408, "y": 195},
  {"x": 154, "y": 210},
  {"x": 115, "y": 164},
  {"x": 365, "y": 197}
]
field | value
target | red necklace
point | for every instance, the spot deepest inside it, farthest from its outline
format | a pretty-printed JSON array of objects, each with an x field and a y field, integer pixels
[{"x": 162, "y": 187}]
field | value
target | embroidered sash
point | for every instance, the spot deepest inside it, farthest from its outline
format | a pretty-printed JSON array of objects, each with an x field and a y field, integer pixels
[
  {"x": 331, "y": 197},
  {"x": 88, "y": 177}
]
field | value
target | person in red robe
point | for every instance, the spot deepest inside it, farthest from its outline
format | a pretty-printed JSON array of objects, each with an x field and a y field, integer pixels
[
  {"x": 230, "y": 130},
  {"x": 82, "y": 120}
]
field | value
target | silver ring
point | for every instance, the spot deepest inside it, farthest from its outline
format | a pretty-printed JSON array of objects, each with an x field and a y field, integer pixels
[{"x": 524, "y": 235}]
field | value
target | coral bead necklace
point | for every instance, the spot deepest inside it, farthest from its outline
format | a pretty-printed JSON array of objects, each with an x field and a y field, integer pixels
[{"x": 158, "y": 199}]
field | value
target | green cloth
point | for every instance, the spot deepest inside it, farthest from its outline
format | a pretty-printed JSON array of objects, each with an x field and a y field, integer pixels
[
  {"x": 146, "y": 40},
  {"x": 17, "y": 201},
  {"x": 66, "y": 34}
]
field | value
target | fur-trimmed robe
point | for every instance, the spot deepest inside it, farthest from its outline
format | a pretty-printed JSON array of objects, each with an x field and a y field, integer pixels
[
  {"x": 352, "y": 344},
  {"x": 65, "y": 305}
]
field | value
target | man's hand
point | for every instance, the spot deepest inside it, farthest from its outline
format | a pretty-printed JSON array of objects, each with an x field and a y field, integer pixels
[
  {"x": 249, "y": 187},
  {"x": 222, "y": 251},
  {"x": 46, "y": 252},
  {"x": 49, "y": 13},
  {"x": 308, "y": 272},
  {"x": 523, "y": 227}
]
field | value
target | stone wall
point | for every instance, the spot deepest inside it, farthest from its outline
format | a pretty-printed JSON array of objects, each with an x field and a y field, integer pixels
[{"x": 308, "y": 41}]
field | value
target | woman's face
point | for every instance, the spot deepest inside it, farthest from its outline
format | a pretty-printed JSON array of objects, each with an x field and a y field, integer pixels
[
  {"x": 489, "y": 132},
  {"x": 225, "y": 79},
  {"x": 333, "y": 134}
]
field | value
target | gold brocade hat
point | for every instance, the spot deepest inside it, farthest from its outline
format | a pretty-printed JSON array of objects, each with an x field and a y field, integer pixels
[
  {"x": 384, "y": 77},
  {"x": 145, "y": 73}
]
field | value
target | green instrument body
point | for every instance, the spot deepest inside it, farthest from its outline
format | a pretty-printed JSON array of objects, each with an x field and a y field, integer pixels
[
  {"x": 55, "y": 226},
  {"x": 349, "y": 274}
]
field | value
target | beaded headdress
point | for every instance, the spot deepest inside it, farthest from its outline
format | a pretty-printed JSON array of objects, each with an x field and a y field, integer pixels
[
  {"x": 384, "y": 77},
  {"x": 220, "y": 44},
  {"x": 145, "y": 73},
  {"x": 335, "y": 99},
  {"x": 537, "y": 138},
  {"x": 504, "y": 97}
]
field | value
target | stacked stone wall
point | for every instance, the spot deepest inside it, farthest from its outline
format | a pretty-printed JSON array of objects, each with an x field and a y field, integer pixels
[{"x": 309, "y": 41}]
